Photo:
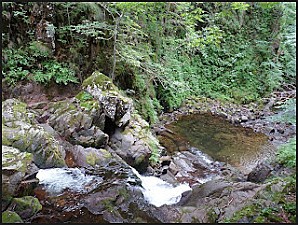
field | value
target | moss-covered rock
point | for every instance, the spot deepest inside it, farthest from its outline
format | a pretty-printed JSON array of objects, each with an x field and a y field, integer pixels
[
  {"x": 136, "y": 144},
  {"x": 19, "y": 130},
  {"x": 115, "y": 106},
  {"x": 105, "y": 83},
  {"x": 26, "y": 206},
  {"x": 85, "y": 157},
  {"x": 77, "y": 126},
  {"x": 14, "y": 110},
  {"x": 15, "y": 160},
  {"x": 11, "y": 217},
  {"x": 14, "y": 167}
]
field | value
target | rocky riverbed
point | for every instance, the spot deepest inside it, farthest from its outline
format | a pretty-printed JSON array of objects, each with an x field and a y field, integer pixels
[{"x": 98, "y": 133}]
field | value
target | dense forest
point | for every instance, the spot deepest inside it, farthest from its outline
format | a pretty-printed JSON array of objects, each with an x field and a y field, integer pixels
[{"x": 160, "y": 54}]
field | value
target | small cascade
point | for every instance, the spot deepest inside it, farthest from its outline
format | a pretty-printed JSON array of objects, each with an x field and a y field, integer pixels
[
  {"x": 158, "y": 192},
  {"x": 57, "y": 180}
]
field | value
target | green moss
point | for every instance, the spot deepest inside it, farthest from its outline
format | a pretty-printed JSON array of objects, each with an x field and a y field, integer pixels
[
  {"x": 106, "y": 153},
  {"x": 124, "y": 193},
  {"x": 5, "y": 140},
  {"x": 212, "y": 216},
  {"x": 11, "y": 217},
  {"x": 248, "y": 211},
  {"x": 62, "y": 106},
  {"x": 91, "y": 159},
  {"x": 101, "y": 80},
  {"x": 83, "y": 96},
  {"x": 20, "y": 107},
  {"x": 108, "y": 204},
  {"x": 155, "y": 155},
  {"x": 27, "y": 202},
  {"x": 139, "y": 159}
]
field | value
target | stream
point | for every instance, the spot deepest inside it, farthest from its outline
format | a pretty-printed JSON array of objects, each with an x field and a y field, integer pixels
[
  {"x": 198, "y": 144},
  {"x": 222, "y": 141}
]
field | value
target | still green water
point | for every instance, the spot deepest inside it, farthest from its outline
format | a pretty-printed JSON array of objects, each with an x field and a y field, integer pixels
[{"x": 223, "y": 141}]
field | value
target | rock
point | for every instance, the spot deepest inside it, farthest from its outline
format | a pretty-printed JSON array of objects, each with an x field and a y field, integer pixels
[
  {"x": 20, "y": 131},
  {"x": 11, "y": 217},
  {"x": 115, "y": 106},
  {"x": 76, "y": 125},
  {"x": 26, "y": 206},
  {"x": 14, "y": 166},
  {"x": 244, "y": 118},
  {"x": 135, "y": 144},
  {"x": 259, "y": 173},
  {"x": 228, "y": 197},
  {"x": 84, "y": 157}
]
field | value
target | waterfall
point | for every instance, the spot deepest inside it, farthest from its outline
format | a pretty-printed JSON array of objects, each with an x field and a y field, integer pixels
[
  {"x": 56, "y": 180},
  {"x": 158, "y": 192}
]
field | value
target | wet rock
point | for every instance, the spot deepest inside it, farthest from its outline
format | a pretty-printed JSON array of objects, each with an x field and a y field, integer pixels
[
  {"x": 26, "y": 206},
  {"x": 260, "y": 173},
  {"x": 85, "y": 157},
  {"x": 135, "y": 144},
  {"x": 14, "y": 166}
]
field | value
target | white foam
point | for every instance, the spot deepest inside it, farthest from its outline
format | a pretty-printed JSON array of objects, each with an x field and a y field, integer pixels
[
  {"x": 56, "y": 180},
  {"x": 158, "y": 192}
]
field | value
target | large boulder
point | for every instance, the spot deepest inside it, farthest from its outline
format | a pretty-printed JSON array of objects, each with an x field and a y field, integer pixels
[
  {"x": 77, "y": 125},
  {"x": 20, "y": 131},
  {"x": 216, "y": 200},
  {"x": 14, "y": 167},
  {"x": 130, "y": 135},
  {"x": 136, "y": 144},
  {"x": 115, "y": 106},
  {"x": 86, "y": 157}
]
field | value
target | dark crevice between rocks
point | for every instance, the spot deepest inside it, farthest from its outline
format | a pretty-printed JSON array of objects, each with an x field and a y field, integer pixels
[{"x": 110, "y": 126}]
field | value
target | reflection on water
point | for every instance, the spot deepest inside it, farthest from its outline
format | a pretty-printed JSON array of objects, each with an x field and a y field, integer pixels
[{"x": 236, "y": 145}]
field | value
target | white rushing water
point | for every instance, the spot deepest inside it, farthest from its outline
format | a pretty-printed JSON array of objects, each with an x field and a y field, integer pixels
[
  {"x": 158, "y": 192},
  {"x": 56, "y": 180},
  {"x": 155, "y": 191}
]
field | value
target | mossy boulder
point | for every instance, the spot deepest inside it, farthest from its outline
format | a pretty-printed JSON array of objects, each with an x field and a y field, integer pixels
[
  {"x": 20, "y": 130},
  {"x": 26, "y": 206},
  {"x": 135, "y": 144},
  {"x": 115, "y": 106},
  {"x": 216, "y": 200},
  {"x": 11, "y": 217},
  {"x": 14, "y": 111},
  {"x": 15, "y": 160},
  {"x": 86, "y": 157},
  {"x": 77, "y": 126},
  {"x": 14, "y": 167}
]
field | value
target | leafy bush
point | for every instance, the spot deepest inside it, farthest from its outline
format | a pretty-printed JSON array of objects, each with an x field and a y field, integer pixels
[
  {"x": 286, "y": 154},
  {"x": 34, "y": 62},
  {"x": 54, "y": 70}
]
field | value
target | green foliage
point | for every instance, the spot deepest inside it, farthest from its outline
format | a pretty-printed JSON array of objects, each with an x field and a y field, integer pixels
[
  {"x": 54, "y": 70},
  {"x": 167, "y": 51},
  {"x": 38, "y": 50},
  {"x": 34, "y": 62},
  {"x": 286, "y": 154}
]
